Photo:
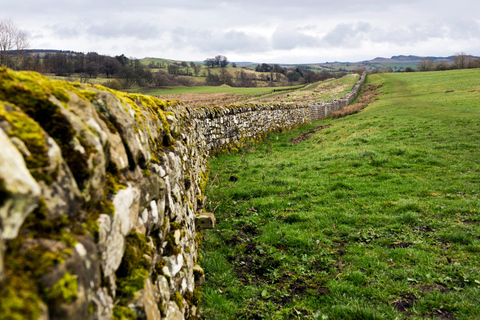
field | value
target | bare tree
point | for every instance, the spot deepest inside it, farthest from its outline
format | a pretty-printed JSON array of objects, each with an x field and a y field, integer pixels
[
  {"x": 426, "y": 65},
  {"x": 224, "y": 62},
  {"x": 225, "y": 77},
  {"x": 196, "y": 69},
  {"x": 13, "y": 43},
  {"x": 460, "y": 60}
]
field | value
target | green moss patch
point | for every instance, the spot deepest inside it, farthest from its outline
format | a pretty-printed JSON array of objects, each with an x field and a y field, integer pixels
[
  {"x": 127, "y": 286},
  {"x": 134, "y": 268},
  {"x": 32, "y": 93},
  {"x": 123, "y": 313},
  {"x": 26, "y": 129},
  {"x": 25, "y": 264},
  {"x": 177, "y": 297},
  {"x": 65, "y": 290},
  {"x": 19, "y": 299}
]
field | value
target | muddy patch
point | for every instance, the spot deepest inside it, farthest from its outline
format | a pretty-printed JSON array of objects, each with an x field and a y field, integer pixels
[{"x": 304, "y": 136}]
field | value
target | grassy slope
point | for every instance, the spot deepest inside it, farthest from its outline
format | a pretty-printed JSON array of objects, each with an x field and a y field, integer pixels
[{"x": 375, "y": 217}]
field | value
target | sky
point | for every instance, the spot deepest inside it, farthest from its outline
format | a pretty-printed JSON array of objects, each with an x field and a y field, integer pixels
[{"x": 271, "y": 31}]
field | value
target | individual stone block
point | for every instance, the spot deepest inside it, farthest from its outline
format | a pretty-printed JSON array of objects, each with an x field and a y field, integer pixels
[
  {"x": 205, "y": 220},
  {"x": 19, "y": 192},
  {"x": 199, "y": 275}
]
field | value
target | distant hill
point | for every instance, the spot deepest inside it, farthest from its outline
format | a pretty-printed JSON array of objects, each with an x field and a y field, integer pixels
[
  {"x": 402, "y": 58},
  {"x": 397, "y": 63}
]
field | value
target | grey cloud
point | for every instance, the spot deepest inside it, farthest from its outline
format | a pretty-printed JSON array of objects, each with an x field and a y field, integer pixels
[
  {"x": 285, "y": 38},
  {"x": 415, "y": 33},
  {"x": 463, "y": 28},
  {"x": 218, "y": 41},
  {"x": 113, "y": 29},
  {"x": 347, "y": 35},
  {"x": 353, "y": 35},
  {"x": 64, "y": 32}
]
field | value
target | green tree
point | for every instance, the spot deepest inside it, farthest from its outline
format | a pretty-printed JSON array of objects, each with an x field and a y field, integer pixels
[
  {"x": 210, "y": 62},
  {"x": 122, "y": 59}
]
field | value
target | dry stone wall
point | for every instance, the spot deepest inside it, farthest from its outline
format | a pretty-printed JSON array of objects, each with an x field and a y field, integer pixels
[
  {"x": 228, "y": 127},
  {"x": 321, "y": 110},
  {"x": 102, "y": 200}
]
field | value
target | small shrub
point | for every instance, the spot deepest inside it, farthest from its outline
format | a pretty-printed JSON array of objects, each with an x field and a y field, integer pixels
[{"x": 113, "y": 84}]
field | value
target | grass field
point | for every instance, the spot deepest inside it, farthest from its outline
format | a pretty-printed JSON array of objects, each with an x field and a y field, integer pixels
[{"x": 374, "y": 217}]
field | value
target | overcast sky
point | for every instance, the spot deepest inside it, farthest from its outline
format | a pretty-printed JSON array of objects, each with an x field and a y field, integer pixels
[{"x": 293, "y": 31}]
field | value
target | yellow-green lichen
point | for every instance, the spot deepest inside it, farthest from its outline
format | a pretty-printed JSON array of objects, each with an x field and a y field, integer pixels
[
  {"x": 127, "y": 286},
  {"x": 65, "y": 290},
  {"x": 197, "y": 295},
  {"x": 123, "y": 313},
  {"x": 198, "y": 274},
  {"x": 29, "y": 132},
  {"x": 203, "y": 178},
  {"x": 158, "y": 269},
  {"x": 136, "y": 247},
  {"x": 134, "y": 267},
  {"x": 160, "y": 307},
  {"x": 171, "y": 248},
  {"x": 33, "y": 93},
  {"x": 199, "y": 239},
  {"x": 175, "y": 226},
  {"x": 26, "y": 262},
  {"x": 177, "y": 297},
  {"x": 19, "y": 299},
  {"x": 34, "y": 83},
  {"x": 39, "y": 225}
]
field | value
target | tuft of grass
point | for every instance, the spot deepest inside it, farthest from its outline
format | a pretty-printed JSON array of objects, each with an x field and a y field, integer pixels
[{"x": 375, "y": 217}]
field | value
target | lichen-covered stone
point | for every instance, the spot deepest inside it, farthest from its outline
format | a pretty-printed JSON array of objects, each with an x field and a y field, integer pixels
[
  {"x": 113, "y": 230},
  {"x": 19, "y": 191}
]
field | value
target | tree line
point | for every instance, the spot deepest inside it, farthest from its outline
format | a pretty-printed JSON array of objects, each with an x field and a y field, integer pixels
[{"x": 459, "y": 61}]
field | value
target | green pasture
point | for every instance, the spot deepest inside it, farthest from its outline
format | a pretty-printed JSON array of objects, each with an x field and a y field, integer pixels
[{"x": 374, "y": 217}]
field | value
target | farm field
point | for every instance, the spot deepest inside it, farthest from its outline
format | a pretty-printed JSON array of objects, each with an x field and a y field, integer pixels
[
  {"x": 224, "y": 95},
  {"x": 211, "y": 96},
  {"x": 319, "y": 91},
  {"x": 375, "y": 216}
]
